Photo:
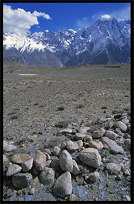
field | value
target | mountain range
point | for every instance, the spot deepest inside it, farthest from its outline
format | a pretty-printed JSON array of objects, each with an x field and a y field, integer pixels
[{"x": 104, "y": 42}]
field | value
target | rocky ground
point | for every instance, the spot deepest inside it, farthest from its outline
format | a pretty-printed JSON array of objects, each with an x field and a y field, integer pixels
[{"x": 66, "y": 133}]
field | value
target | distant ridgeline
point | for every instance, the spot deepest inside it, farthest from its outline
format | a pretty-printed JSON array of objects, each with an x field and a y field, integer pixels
[{"x": 105, "y": 42}]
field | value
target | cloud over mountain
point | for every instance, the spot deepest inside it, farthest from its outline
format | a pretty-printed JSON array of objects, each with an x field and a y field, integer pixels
[{"x": 20, "y": 21}]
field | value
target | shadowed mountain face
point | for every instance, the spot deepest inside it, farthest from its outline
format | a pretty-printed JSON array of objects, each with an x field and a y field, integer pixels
[{"x": 105, "y": 42}]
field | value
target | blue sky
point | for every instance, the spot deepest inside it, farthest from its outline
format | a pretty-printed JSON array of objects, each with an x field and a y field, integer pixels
[{"x": 24, "y": 18}]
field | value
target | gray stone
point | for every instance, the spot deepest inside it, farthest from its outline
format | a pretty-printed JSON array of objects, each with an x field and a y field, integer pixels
[
  {"x": 121, "y": 125},
  {"x": 125, "y": 121},
  {"x": 71, "y": 146},
  {"x": 47, "y": 176},
  {"x": 128, "y": 198},
  {"x": 26, "y": 166},
  {"x": 63, "y": 145},
  {"x": 63, "y": 185},
  {"x": 48, "y": 163},
  {"x": 47, "y": 151},
  {"x": 80, "y": 136},
  {"x": 65, "y": 161},
  {"x": 34, "y": 171},
  {"x": 66, "y": 131},
  {"x": 5, "y": 159},
  {"x": 13, "y": 169},
  {"x": 80, "y": 144},
  {"x": 9, "y": 148},
  {"x": 112, "y": 145},
  {"x": 102, "y": 132},
  {"x": 96, "y": 145},
  {"x": 96, "y": 134},
  {"x": 93, "y": 177},
  {"x": 113, "y": 168},
  {"x": 5, "y": 142},
  {"x": 56, "y": 150},
  {"x": 21, "y": 180},
  {"x": 111, "y": 135},
  {"x": 32, "y": 191},
  {"x": 84, "y": 130},
  {"x": 91, "y": 157},
  {"x": 39, "y": 160},
  {"x": 127, "y": 142},
  {"x": 76, "y": 169},
  {"x": 73, "y": 197},
  {"x": 88, "y": 138},
  {"x": 19, "y": 158}
]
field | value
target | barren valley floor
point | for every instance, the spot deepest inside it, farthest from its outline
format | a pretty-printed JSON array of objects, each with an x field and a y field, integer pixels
[{"x": 81, "y": 96}]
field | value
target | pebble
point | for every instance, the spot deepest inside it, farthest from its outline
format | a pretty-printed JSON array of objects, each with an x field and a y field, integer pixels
[
  {"x": 113, "y": 168},
  {"x": 8, "y": 193},
  {"x": 32, "y": 191},
  {"x": 26, "y": 166},
  {"x": 80, "y": 136},
  {"x": 13, "y": 169},
  {"x": 96, "y": 134},
  {"x": 102, "y": 132},
  {"x": 127, "y": 142},
  {"x": 19, "y": 158},
  {"x": 19, "y": 192},
  {"x": 47, "y": 151},
  {"x": 73, "y": 197},
  {"x": 56, "y": 150},
  {"x": 85, "y": 129},
  {"x": 66, "y": 131},
  {"x": 111, "y": 135},
  {"x": 93, "y": 177},
  {"x": 76, "y": 169},
  {"x": 80, "y": 144},
  {"x": 121, "y": 125},
  {"x": 96, "y": 145},
  {"x": 112, "y": 145},
  {"x": 71, "y": 146},
  {"x": 5, "y": 159},
  {"x": 9, "y": 148},
  {"x": 128, "y": 198}
]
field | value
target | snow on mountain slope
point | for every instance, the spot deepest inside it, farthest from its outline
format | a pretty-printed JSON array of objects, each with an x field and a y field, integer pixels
[{"x": 104, "y": 42}]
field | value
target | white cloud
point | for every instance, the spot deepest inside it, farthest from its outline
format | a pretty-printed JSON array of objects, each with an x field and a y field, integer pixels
[
  {"x": 20, "y": 21},
  {"x": 123, "y": 14},
  {"x": 106, "y": 16},
  {"x": 39, "y": 14},
  {"x": 120, "y": 14}
]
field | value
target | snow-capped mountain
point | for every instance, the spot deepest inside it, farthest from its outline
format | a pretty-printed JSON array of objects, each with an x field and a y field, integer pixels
[{"x": 105, "y": 42}]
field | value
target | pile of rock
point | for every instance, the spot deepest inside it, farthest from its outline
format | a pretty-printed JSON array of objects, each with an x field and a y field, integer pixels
[{"x": 56, "y": 169}]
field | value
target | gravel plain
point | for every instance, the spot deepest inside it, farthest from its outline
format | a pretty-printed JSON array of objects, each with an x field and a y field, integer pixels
[{"x": 93, "y": 96}]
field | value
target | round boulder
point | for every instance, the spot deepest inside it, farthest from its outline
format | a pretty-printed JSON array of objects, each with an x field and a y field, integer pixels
[
  {"x": 63, "y": 185},
  {"x": 91, "y": 157},
  {"x": 21, "y": 180}
]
